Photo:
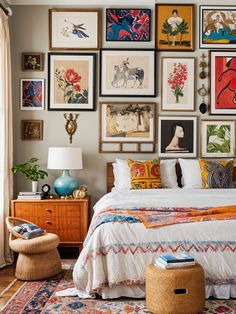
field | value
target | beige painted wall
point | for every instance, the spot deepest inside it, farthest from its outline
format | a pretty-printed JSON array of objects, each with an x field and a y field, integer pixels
[{"x": 29, "y": 32}]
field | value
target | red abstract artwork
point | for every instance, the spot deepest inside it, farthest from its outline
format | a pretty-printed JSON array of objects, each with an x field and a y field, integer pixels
[{"x": 225, "y": 82}]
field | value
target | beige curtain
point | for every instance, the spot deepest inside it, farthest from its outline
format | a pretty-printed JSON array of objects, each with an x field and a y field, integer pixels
[{"x": 6, "y": 151}]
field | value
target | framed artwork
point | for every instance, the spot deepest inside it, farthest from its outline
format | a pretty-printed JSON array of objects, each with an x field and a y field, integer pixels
[
  {"x": 31, "y": 129},
  {"x": 32, "y": 61},
  {"x": 32, "y": 94},
  {"x": 217, "y": 26},
  {"x": 177, "y": 136},
  {"x": 71, "y": 81},
  {"x": 222, "y": 82},
  {"x": 73, "y": 29},
  {"x": 128, "y": 24},
  {"x": 174, "y": 27},
  {"x": 128, "y": 73},
  {"x": 127, "y": 123},
  {"x": 177, "y": 84},
  {"x": 218, "y": 138}
]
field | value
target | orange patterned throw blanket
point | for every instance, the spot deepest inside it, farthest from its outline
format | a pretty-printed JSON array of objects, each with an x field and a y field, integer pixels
[{"x": 164, "y": 216}]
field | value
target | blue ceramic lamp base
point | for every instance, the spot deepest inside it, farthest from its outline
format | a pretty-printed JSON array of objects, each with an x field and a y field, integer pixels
[{"x": 65, "y": 184}]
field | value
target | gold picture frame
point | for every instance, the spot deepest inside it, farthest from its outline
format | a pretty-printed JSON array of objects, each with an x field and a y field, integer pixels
[{"x": 32, "y": 130}]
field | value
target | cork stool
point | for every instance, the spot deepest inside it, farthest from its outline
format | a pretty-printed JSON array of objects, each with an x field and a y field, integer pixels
[{"x": 175, "y": 291}]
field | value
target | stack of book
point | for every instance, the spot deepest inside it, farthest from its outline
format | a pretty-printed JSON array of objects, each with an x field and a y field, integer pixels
[
  {"x": 174, "y": 261},
  {"x": 30, "y": 196}
]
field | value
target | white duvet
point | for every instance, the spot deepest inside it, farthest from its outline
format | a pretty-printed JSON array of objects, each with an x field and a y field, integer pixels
[{"x": 114, "y": 260}]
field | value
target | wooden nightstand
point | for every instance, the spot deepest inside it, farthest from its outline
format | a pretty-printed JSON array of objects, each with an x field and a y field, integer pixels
[{"x": 69, "y": 219}]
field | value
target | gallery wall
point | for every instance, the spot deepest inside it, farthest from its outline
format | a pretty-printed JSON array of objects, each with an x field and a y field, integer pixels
[{"x": 29, "y": 33}]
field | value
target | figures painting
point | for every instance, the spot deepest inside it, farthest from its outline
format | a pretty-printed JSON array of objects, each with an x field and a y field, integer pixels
[{"x": 217, "y": 26}]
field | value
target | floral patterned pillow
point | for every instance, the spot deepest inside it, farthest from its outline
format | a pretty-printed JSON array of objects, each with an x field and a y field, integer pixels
[
  {"x": 216, "y": 175},
  {"x": 145, "y": 174}
]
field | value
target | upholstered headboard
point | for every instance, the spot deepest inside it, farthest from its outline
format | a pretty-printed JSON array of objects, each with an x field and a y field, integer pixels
[{"x": 110, "y": 175}]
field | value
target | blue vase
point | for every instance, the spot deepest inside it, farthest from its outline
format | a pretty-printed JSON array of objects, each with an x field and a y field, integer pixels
[{"x": 65, "y": 184}]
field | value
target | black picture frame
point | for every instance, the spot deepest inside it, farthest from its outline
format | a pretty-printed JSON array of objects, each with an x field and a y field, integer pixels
[
  {"x": 115, "y": 69},
  {"x": 129, "y": 35},
  {"x": 76, "y": 89}
]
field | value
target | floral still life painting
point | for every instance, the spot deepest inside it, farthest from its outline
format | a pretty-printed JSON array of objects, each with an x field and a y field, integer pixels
[
  {"x": 223, "y": 82},
  {"x": 127, "y": 73},
  {"x": 174, "y": 27},
  {"x": 74, "y": 29},
  {"x": 178, "y": 84},
  {"x": 71, "y": 81},
  {"x": 127, "y": 122},
  {"x": 32, "y": 94},
  {"x": 217, "y": 26},
  {"x": 218, "y": 138},
  {"x": 128, "y": 24}
]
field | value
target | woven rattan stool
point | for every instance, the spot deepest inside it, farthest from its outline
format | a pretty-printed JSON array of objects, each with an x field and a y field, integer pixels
[
  {"x": 176, "y": 290},
  {"x": 38, "y": 258}
]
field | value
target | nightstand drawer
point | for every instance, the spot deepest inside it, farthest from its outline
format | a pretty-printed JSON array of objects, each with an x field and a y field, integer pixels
[
  {"x": 68, "y": 235},
  {"x": 48, "y": 210},
  {"x": 59, "y": 223}
]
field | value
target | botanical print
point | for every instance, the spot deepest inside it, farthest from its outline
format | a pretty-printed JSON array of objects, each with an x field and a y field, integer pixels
[
  {"x": 218, "y": 138},
  {"x": 128, "y": 24},
  {"x": 177, "y": 84},
  {"x": 71, "y": 82},
  {"x": 217, "y": 26},
  {"x": 73, "y": 29},
  {"x": 174, "y": 27},
  {"x": 128, "y": 122},
  {"x": 128, "y": 72},
  {"x": 223, "y": 82},
  {"x": 32, "y": 94},
  {"x": 177, "y": 136},
  {"x": 32, "y": 61},
  {"x": 177, "y": 79}
]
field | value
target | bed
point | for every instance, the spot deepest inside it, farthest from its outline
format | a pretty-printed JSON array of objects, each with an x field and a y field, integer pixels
[{"x": 116, "y": 254}]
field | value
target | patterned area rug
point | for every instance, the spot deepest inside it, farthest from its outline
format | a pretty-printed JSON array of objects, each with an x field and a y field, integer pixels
[{"x": 39, "y": 297}]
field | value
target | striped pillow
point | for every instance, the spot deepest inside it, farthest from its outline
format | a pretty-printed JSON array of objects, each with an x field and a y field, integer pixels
[{"x": 216, "y": 175}]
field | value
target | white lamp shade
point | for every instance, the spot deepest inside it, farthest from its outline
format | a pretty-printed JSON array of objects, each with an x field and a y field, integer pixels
[{"x": 65, "y": 158}]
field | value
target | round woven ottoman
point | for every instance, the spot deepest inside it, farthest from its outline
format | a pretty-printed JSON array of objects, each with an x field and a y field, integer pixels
[
  {"x": 38, "y": 258},
  {"x": 176, "y": 290}
]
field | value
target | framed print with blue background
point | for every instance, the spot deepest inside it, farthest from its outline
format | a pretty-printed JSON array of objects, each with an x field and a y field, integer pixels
[
  {"x": 128, "y": 73},
  {"x": 71, "y": 81},
  {"x": 128, "y": 24},
  {"x": 32, "y": 94},
  {"x": 217, "y": 26}
]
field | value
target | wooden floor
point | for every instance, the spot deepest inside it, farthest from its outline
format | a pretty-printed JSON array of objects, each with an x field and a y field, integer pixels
[{"x": 7, "y": 275}]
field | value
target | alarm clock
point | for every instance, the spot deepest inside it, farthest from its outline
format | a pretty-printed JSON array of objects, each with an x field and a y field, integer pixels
[{"x": 46, "y": 191}]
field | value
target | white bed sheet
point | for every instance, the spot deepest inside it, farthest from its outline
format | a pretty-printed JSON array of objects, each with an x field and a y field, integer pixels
[{"x": 114, "y": 260}]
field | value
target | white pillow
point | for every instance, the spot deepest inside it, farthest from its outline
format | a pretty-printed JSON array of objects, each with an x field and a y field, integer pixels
[
  {"x": 191, "y": 173},
  {"x": 167, "y": 169}
]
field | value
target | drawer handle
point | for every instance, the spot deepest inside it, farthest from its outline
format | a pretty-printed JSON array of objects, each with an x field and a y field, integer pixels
[
  {"x": 48, "y": 222},
  {"x": 48, "y": 210}
]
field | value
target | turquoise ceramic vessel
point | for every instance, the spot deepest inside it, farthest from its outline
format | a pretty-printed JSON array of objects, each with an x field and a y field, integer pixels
[{"x": 65, "y": 184}]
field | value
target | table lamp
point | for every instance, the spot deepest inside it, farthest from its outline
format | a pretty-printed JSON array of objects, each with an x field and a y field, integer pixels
[{"x": 65, "y": 158}]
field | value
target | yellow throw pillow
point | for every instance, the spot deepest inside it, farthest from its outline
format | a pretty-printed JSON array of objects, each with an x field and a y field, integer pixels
[
  {"x": 216, "y": 174},
  {"x": 145, "y": 174}
]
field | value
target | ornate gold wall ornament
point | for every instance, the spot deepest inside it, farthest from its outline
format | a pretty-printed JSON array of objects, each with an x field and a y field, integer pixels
[{"x": 71, "y": 124}]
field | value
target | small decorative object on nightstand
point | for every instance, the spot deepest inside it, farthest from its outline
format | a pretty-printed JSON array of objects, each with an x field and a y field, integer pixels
[
  {"x": 65, "y": 158},
  {"x": 68, "y": 218}
]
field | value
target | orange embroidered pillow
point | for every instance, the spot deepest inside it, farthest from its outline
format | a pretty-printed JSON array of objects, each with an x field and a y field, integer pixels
[
  {"x": 216, "y": 174},
  {"x": 145, "y": 174}
]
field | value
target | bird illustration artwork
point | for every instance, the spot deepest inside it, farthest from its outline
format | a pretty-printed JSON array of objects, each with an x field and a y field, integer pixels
[
  {"x": 77, "y": 29},
  {"x": 71, "y": 124}
]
